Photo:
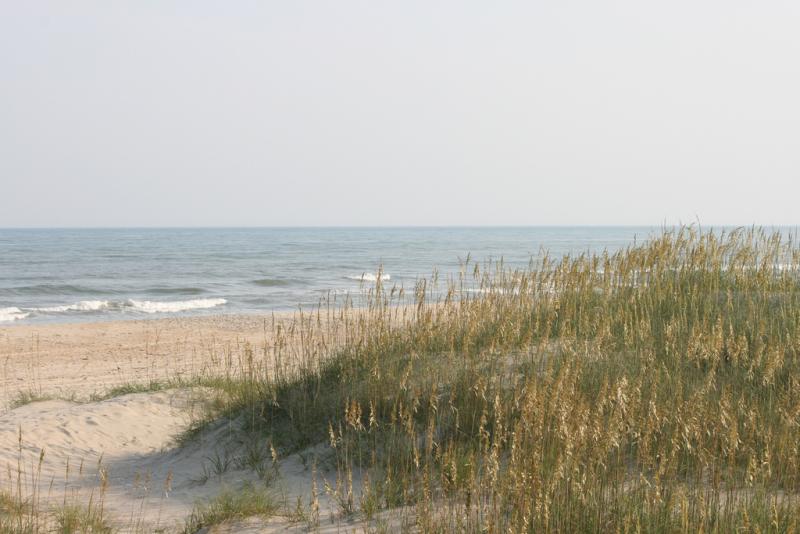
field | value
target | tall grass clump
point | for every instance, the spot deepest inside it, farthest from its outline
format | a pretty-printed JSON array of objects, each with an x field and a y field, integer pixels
[
  {"x": 26, "y": 506},
  {"x": 652, "y": 389},
  {"x": 230, "y": 506}
]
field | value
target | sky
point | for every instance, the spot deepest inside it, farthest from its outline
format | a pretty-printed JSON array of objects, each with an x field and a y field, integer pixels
[{"x": 303, "y": 113}]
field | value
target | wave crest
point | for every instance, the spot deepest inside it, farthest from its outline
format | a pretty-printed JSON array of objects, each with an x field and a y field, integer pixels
[
  {"x": 369, "y": 277},
  {"x": 150, "y": 306},
  {"x": 83, "y": 306},
  {"x": 12, "y": 314}
]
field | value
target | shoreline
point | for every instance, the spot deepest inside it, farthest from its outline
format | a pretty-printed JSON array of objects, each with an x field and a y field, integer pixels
[{"x": 75, "y": 361}]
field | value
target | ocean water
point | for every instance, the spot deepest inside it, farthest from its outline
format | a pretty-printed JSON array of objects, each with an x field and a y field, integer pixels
[{"x": 69, "y": 275}]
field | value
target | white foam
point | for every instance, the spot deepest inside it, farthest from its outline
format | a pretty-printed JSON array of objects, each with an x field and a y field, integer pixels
[
  {"x": 149, "y": 306},
  {"x": 12, "y": 314},
  {"x": 84, "y": 306},
  {"x": 369, "y": 277}
]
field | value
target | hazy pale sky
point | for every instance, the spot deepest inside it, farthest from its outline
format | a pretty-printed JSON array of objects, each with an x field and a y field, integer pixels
[{"x": 157, "y": 113}]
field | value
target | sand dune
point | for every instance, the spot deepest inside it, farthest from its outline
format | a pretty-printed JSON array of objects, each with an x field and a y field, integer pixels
[
  {"x": 151, "y": 482},
  {"x": 129, "y": 437},
  {"x": 67, "y": 448}
]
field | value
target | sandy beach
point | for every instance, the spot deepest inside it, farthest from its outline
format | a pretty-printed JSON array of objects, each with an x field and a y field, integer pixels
[
  {"x": 63, "y": 445},
  {"x": 81, "y": 359}
]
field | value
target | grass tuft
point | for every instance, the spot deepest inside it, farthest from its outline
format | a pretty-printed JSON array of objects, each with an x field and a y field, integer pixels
[
  {"x": 74, "y": 519},
  {"x": 28, "y": 397},
  {"x": 229, "y": 506}
]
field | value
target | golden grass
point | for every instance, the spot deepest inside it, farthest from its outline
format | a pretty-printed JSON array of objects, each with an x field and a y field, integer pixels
[{"x": 654, "y": 389}]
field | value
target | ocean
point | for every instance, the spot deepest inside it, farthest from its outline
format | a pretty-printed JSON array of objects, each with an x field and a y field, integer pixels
[{"x": 71, "y": 275}]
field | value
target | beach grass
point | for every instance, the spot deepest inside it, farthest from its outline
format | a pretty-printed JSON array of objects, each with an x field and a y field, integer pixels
[
  {"x": 28, "y": 397},
  {"x": 655, "y": 389},
  {"x": 248, "y": 502}
]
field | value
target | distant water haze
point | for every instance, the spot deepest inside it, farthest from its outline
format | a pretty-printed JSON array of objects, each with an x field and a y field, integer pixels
[{"x": 90, "y": 275}]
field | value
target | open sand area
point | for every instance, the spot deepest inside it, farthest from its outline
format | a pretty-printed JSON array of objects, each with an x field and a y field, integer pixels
[
  {"x": 60, "y": 442},
  {"x": 80, "y": 359}
]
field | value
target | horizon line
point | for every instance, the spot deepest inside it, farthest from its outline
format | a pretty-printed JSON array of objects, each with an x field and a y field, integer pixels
[{"x": 410, "y": 226}]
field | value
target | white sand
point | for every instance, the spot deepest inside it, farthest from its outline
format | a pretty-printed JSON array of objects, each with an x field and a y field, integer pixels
[
  {"x": 81, "y": 359},
  {"x": 151, "y": 482}
]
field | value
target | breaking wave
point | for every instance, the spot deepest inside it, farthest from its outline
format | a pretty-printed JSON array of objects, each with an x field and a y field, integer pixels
[
  {"x": 87, "y": 306},
  {"x": 150, "y": 306},
  {"x": 83, "y": 306},
  {"x": 369, "y": 277},
  {"x": 12, "y": 314}
]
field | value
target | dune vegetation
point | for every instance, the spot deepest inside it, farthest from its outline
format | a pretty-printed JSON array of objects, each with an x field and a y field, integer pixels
[{"x": 654, "y": 389}]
